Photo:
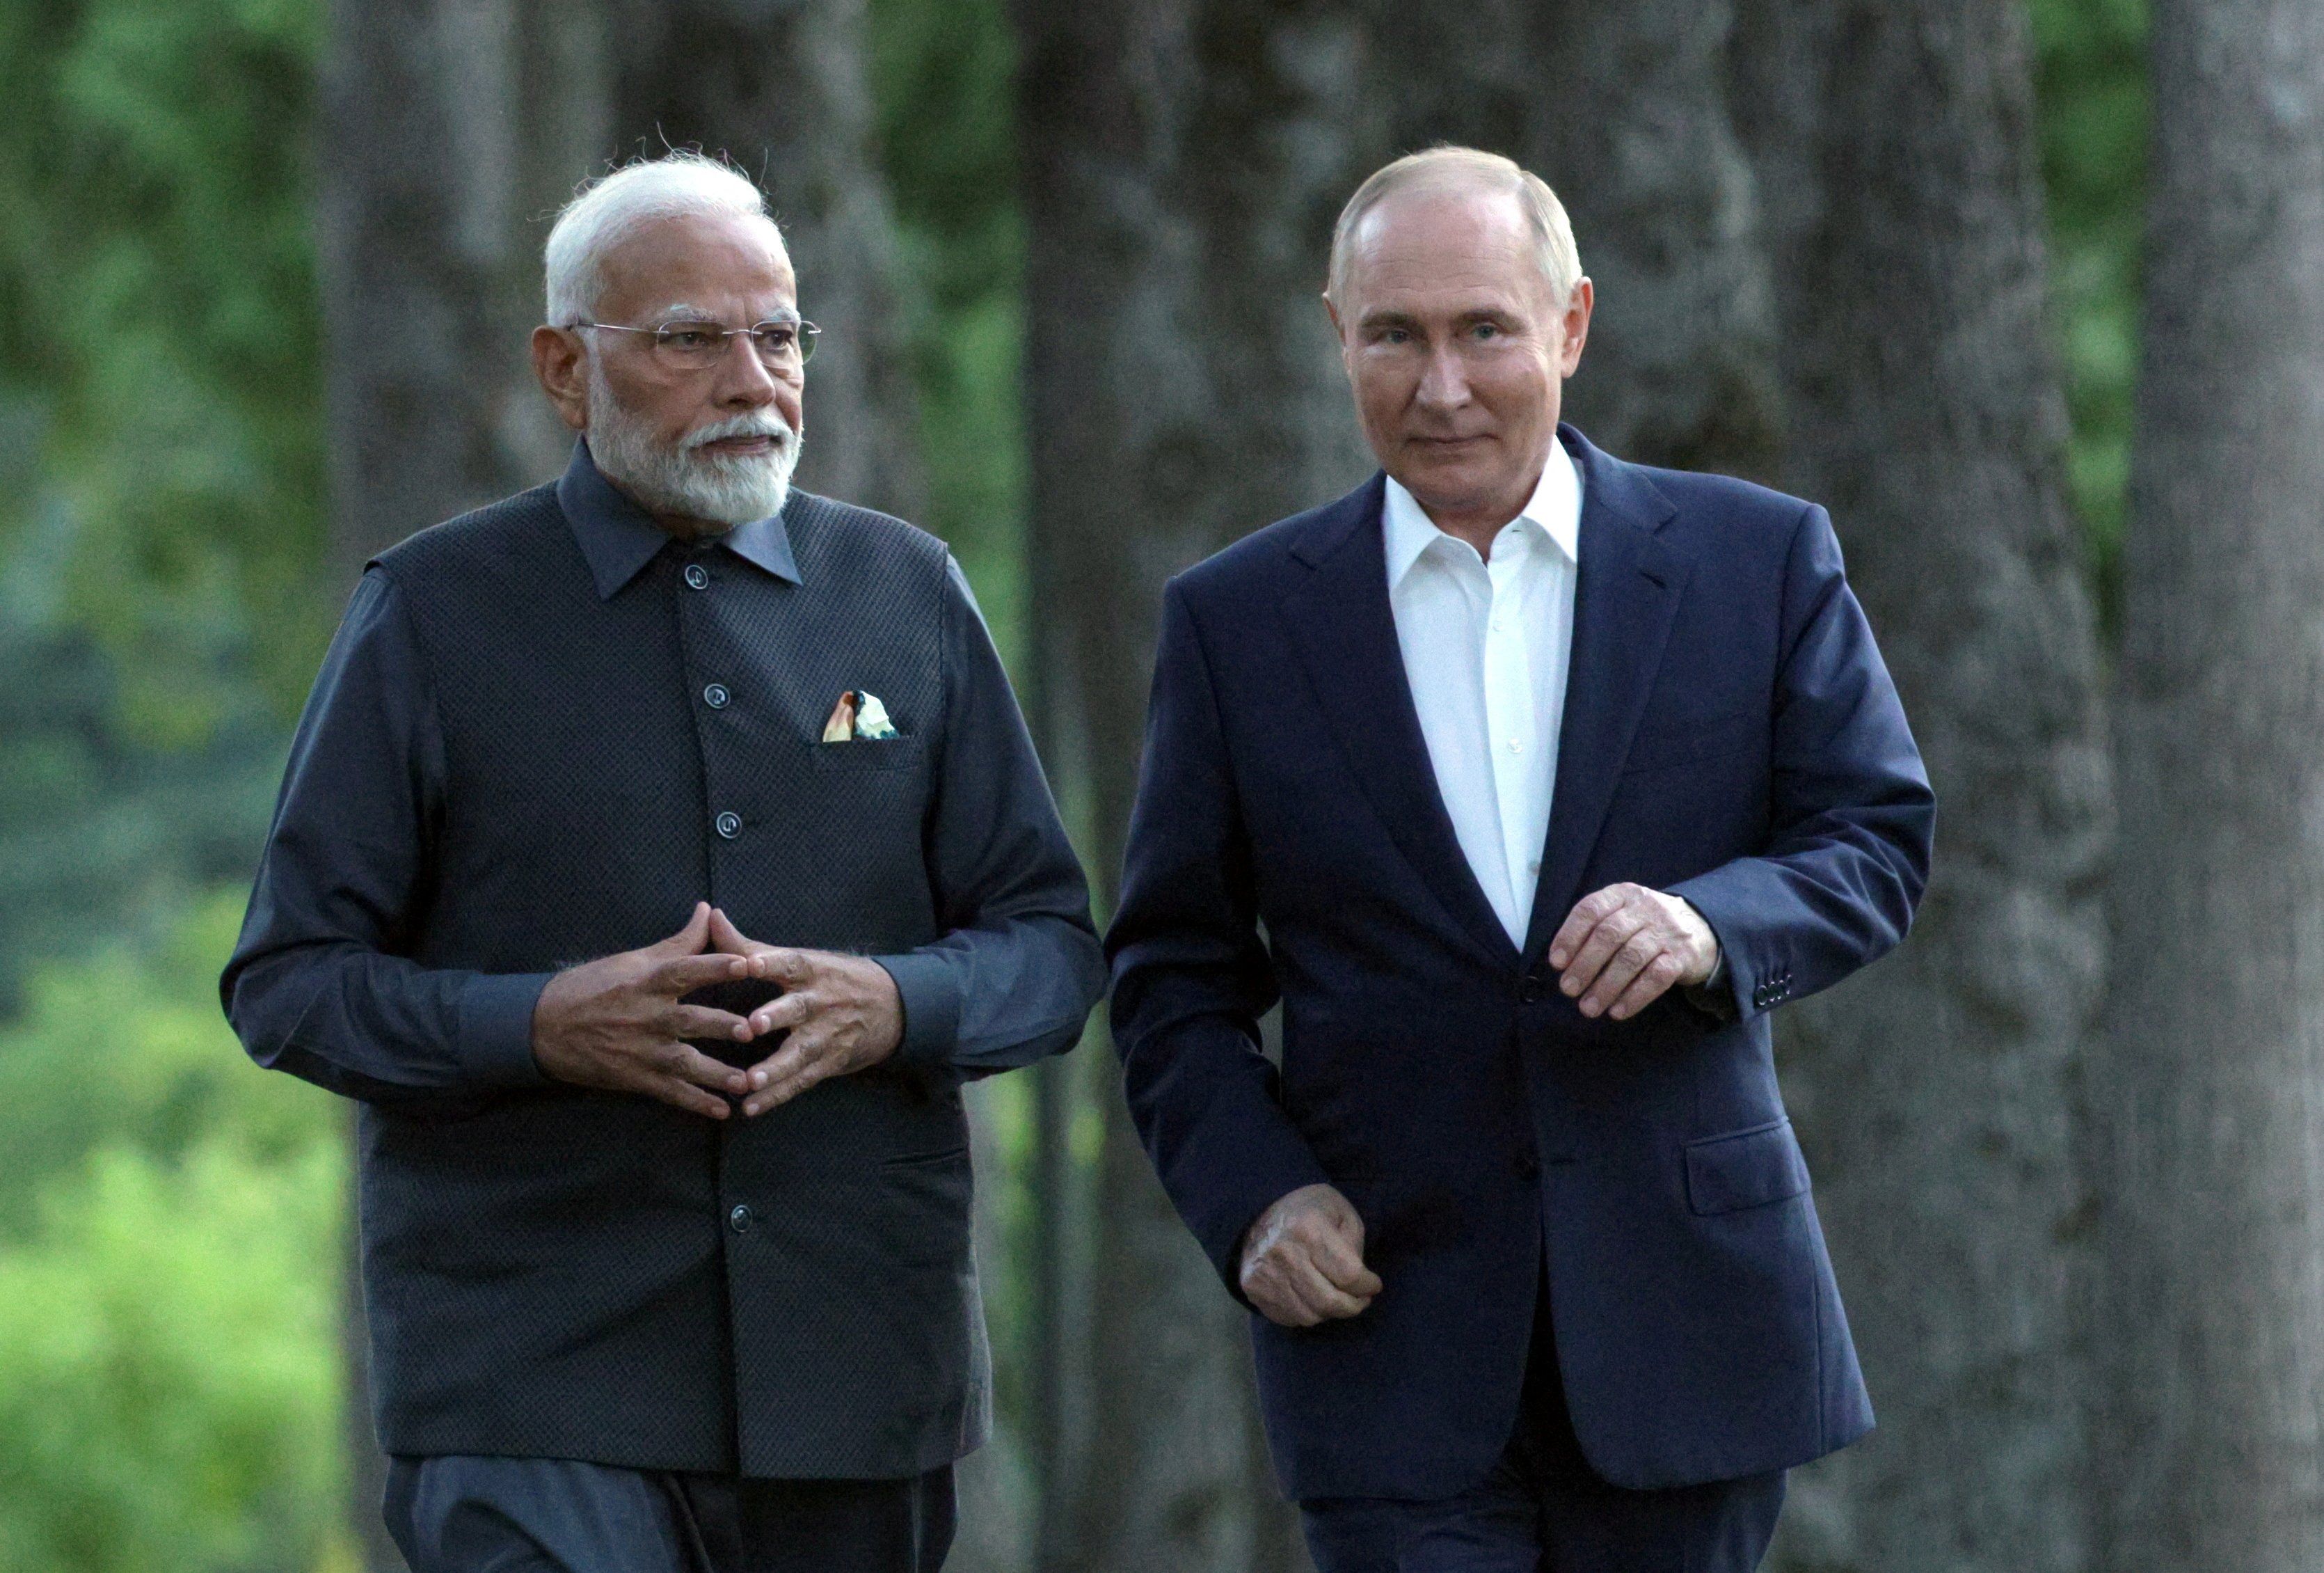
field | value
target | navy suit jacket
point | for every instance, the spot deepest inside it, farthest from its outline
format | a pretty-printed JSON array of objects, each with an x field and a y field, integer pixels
[{"x": 1729, "y": 734}]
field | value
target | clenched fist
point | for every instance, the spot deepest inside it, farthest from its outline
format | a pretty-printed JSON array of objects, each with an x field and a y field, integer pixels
[
  {"x": 1624, "y": 947},
  {"x": 1302, "y": 1260}
]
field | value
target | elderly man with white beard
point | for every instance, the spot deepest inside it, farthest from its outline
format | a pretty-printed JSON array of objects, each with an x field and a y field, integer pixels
[{"x": 660, "y": 851}]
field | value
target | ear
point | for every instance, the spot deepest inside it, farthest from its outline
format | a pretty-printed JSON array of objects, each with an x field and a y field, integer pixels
[
  {"x": 1339, "y": 334},
  {"x": 559, "y": 359},
  {"x": 1575, "y": 323}
]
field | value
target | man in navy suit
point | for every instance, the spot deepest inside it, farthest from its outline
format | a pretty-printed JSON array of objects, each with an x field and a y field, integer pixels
[{"x": 1530, "y": 781}]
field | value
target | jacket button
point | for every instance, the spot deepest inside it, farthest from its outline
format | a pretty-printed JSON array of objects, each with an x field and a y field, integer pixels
[
  {"x": 1532, "y": 987},
  {"x": 698, "y": 577},
  {"x": 715, "y": 696},
  {"x": 730, "y": 825},
  {"x": 738, "y": 1220}
]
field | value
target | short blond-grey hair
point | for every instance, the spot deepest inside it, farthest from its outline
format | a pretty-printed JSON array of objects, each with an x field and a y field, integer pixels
[{"x": 1446, "y": 168}]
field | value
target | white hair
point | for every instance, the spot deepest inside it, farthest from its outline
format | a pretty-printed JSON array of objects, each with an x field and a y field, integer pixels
[
  {"x": 1445, "y": 168},
  {"x": 607, "y": 212}
]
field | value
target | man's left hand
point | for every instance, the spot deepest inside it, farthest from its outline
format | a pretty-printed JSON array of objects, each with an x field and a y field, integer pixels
[
  {"x": 841, "y": 1011},
  {"x": 1623, "y": 948}
]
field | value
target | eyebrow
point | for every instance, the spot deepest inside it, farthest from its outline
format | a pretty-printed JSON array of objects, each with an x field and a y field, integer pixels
[
  {"x": 1388, "y": 319},
  {"x": 788, "y": 314}
]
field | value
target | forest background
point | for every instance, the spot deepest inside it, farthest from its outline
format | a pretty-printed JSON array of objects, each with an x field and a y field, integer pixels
[{"x": 265, "y": 267}]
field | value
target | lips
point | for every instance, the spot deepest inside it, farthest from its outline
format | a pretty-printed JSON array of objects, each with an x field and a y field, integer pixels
[{"x": 737, "y": 447}]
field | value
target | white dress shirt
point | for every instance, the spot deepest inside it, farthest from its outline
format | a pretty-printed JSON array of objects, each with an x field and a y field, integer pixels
[{"x": 1487, "y": 646}]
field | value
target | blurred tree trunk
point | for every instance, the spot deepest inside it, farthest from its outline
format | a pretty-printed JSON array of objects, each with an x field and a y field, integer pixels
[
  {"x": 1182, "y": 165},
  {"x": 1934, "y": 1093},
  {"x": 780, "y": 87},
  {"x": 1623, "y": 109},
  {"x": 448, "y": 128},
  {"x": 2212, "y": 1098}
]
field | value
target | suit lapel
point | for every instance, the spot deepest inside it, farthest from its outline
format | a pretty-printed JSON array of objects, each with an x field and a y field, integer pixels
[
  {"x": 1345, "y": 632},
  {"x": 1625, "y": 597}
]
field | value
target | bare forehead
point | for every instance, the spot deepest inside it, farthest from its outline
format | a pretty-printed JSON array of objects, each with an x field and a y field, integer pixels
[
  {"x": 713, "y": 260},
  {"x": 1452, "y": 220}
]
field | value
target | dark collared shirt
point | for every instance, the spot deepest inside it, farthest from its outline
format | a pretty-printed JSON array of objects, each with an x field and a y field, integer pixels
[{"x": 332, "y": 914}]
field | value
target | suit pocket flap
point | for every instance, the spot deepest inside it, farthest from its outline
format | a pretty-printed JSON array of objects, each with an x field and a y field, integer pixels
[{"x": 1745, "y": 1169}]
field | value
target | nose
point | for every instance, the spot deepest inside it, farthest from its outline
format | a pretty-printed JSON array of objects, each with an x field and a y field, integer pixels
[
  {"x": 1444, "y": 380},
  {"x": 744, "y": 381}
]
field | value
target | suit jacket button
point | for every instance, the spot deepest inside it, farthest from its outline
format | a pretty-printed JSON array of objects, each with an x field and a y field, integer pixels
[
  {"x": 1531, "y": 988},
  {"x": 698, "y": 577},
  {"x": 738, "y": 1220}
]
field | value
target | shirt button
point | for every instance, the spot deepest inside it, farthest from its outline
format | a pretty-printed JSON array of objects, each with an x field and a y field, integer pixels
[
  {"x": 738, "y": 1220},
  {"x": 1516, "y": 746},
  {"x": 730, "y": 825},
  {"x": 715, "y": 696},
  {"x": 698, "y": 577}
]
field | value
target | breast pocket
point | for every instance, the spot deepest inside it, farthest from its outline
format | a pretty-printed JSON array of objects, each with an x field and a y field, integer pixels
[{"x": 867, "y": 754}]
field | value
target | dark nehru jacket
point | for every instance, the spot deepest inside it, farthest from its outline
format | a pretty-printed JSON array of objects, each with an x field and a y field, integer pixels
[{"x": 544, "y": 732}]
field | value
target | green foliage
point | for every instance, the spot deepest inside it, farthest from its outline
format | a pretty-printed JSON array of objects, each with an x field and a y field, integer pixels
[
  {"x": 942, "y": 79},
  {"x": 2090, "y": 87},
  {"x": 159, "y": 335},
  {"x": 168, "y": 1236}
]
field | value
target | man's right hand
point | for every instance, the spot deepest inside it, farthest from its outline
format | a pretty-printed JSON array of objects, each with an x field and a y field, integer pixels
[
  {"x": 1302, "y": 1261},
  {"x": 617, "y": 1023}
]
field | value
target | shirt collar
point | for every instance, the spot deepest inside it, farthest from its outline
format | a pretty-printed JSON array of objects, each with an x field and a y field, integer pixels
[
  {"x": 1555, "y": 507},
  {"x": 619, "y": 539}
]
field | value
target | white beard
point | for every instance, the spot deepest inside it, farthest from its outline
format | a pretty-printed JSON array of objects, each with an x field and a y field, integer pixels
[{"x": 726, "y": 489}]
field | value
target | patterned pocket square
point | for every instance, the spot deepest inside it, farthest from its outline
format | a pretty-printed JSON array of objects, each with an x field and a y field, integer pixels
[{"x": 857, "y": 716}]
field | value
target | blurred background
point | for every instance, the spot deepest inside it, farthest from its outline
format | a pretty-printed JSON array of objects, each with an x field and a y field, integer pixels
[{"x": 2031, "y": 295}]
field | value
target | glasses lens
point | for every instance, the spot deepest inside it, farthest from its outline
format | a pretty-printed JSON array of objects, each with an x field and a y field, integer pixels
[
  {"x": 784, "y": 344},
  {"x": 689, "y": 344}
]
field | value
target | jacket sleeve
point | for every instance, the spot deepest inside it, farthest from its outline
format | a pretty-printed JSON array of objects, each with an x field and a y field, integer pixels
[
  {"x": 1191, "y": 977},
  {"x": 1851, "y": 815},
  {"x": 1018, "y": 969},
  {"x": 320, "y": 982}
]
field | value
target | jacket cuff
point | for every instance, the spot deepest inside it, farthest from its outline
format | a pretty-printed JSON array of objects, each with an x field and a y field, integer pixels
[
  {"x": 930, "y": 996},
  {"x": 496, "y": 1027},
  {"x": 1732, "y": 994},
  {"x": 1713, "y": 996}
]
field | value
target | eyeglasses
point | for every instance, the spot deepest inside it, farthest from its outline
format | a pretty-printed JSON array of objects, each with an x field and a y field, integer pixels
[{"x": 688, "y": 344}]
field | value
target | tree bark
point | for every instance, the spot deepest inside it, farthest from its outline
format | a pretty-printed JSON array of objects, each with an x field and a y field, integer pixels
[
  {"x": 1935, "y": 1092},
  {"x": 2210, "y": 1303},
  {"x": 1182, "y": 161},
  {"x": 779, "y": 86},
  {"x": 448, "y": 126},
  {"x": 1623, "y": 109}
]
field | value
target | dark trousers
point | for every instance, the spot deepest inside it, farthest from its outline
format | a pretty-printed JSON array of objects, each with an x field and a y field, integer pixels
[
  {"x": 557, "y": 1515},
  {"x": 1542, "y": 1509}
]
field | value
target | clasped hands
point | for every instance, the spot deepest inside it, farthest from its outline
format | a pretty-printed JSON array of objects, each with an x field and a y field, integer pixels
[
  {"x": 619, "y": 1023},
  {"x": 1620, "y": 949}
]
